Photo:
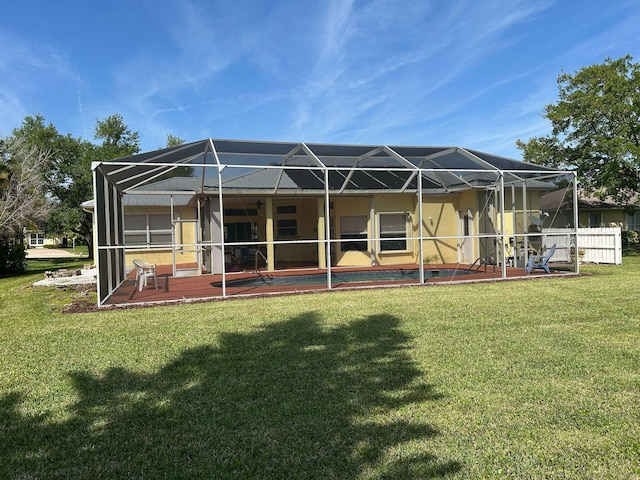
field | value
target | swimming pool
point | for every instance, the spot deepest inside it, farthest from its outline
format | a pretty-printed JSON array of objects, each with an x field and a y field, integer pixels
[{"x": 360, "y": 276}]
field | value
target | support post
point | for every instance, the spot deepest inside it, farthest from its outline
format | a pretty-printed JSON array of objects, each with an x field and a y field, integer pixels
[
  {"x": 503, "y": 259},
  {"x": 270, "y": 236},
  {"x": 322, "y": 218}
]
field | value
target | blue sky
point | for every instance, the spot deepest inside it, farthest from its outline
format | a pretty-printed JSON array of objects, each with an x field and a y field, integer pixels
[{"x": 396, "y": 72}]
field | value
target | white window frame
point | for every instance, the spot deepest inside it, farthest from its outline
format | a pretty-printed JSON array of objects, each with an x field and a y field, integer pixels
[
  {"x": 633, "y": 220},
  {"x": 397, "y": 235},
  {"x": 39, "y": 239},
  {"x": 148, "y": 232}
]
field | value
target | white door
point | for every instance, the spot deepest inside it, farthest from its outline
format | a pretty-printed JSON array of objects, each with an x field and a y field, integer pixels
[{"x": 465, "y": 236}]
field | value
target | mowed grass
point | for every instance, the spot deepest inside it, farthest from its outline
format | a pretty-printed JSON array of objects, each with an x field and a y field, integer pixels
[{"x": 523, "y": 379}]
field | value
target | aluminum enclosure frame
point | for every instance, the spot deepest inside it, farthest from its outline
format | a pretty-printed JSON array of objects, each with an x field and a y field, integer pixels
[{"x": 326, "y": 171}]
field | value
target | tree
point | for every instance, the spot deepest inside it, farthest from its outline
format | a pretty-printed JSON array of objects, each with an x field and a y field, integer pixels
[
  {"x": 69, "y": 173},
  {"x": 595, "y": 129},
  {"x": 117, "y": 139},
  {"x": 22, "y": 199},
  {"x": 173, "y": 141},
  {"x": 22, "y": 185}
]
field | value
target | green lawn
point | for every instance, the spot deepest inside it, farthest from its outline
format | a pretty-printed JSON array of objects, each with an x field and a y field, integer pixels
[{"x": 523, "y": 379}]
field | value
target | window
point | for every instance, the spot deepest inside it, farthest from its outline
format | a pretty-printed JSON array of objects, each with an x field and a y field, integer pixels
[
  {"x": 353, "y": 228},
  {"x": 595, "y": 220},
  {"x": 286, "y": 209},
  {"x": 633, "y": 221},
  {"x": 147, "y": 229},
  {"x": 287, "y": 227},
  {"x": 36, "y": 239},
  {"x": 393, "y": 226},
  {"x": 240, "y": 212},
  {"x": 238, "y": 232}
]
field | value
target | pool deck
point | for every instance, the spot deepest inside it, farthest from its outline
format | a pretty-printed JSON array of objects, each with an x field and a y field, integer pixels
[{"x": 206, "y": 287}]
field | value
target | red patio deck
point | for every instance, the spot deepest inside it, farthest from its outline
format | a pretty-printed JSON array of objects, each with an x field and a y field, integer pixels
[{"x": 207, "y": 287}]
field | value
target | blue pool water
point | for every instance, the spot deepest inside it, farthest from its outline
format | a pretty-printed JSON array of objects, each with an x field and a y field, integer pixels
[{"x": 342, "y": 277}]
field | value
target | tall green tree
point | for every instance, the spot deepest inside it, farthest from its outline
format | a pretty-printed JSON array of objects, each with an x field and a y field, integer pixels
[
  {"x": 117, "y": 139},
  {"x": 173, "y": 141},
  {"x": 595, "y": 129},
  {"x": 69, "y": 176}
]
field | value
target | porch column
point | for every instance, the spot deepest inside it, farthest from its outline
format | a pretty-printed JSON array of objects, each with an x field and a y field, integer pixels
[
  {"x": 269, "y": 224},
  {"x": 321, "y": 227}
]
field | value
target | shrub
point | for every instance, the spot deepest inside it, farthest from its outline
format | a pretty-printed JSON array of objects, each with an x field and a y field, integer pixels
[
  {"x": 630, "y": 238},
  {"x": 12, "y": 255}
]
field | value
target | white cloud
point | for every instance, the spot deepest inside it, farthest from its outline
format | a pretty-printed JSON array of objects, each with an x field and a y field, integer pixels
[{"x": 382, "y": 68}]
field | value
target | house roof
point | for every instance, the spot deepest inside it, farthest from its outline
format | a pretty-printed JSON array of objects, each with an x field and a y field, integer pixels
[
  {"x": 561, "y": 200},
  {"x": 276, "y": 167}
]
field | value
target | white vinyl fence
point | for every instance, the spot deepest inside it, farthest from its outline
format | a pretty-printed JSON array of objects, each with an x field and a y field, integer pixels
[{"x": 601, "y": 245}]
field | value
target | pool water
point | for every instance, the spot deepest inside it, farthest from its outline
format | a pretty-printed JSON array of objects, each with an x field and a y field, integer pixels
[{"x": 343, "y": 277}]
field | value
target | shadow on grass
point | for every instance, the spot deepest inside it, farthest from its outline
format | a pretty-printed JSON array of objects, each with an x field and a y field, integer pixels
[{"x": 293, "y": 400}]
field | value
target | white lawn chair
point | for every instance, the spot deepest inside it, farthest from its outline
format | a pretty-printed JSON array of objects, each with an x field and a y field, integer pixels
[{"x": 145, "y": 271}]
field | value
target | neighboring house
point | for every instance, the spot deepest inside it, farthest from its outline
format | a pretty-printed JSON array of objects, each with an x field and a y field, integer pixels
[
  {"x": 594, "y": 212},
  {"x": 213, "y": 206},
  {"x": 37, "y": 239}
]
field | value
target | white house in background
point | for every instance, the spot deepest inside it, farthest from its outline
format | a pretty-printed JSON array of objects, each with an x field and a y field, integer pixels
[{"x": 38, "y": 239}]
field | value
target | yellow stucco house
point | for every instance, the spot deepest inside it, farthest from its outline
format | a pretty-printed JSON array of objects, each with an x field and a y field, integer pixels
[{"x": 217, "y": 206}]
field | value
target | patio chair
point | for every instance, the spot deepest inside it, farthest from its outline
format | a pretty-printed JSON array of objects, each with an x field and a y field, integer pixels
[
  {"x": 541, "y": 261},
  {"x": 145, "y": 271}
]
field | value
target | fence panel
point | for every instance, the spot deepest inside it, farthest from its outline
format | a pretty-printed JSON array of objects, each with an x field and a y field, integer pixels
[
  {"x": 563, "y": 241},
  {"x": 601, "y": 245}
]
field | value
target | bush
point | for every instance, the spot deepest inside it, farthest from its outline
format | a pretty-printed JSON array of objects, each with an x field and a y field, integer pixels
[
  {"x": 630, "y": 238},
  {"x": 12, "y": 255}
]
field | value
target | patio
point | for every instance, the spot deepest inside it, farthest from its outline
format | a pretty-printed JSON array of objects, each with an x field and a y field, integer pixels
[{"x": 208, "y": 287}]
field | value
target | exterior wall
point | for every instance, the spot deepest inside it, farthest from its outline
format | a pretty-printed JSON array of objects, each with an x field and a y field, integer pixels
[
  {"x": 439, "y": 214},
  {"x": 304, "y": 212},
  {"x": 521, "y": 223}
]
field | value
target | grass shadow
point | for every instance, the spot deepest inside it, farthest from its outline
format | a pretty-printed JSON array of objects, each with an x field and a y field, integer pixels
[{"x": 292, "y": 400}]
